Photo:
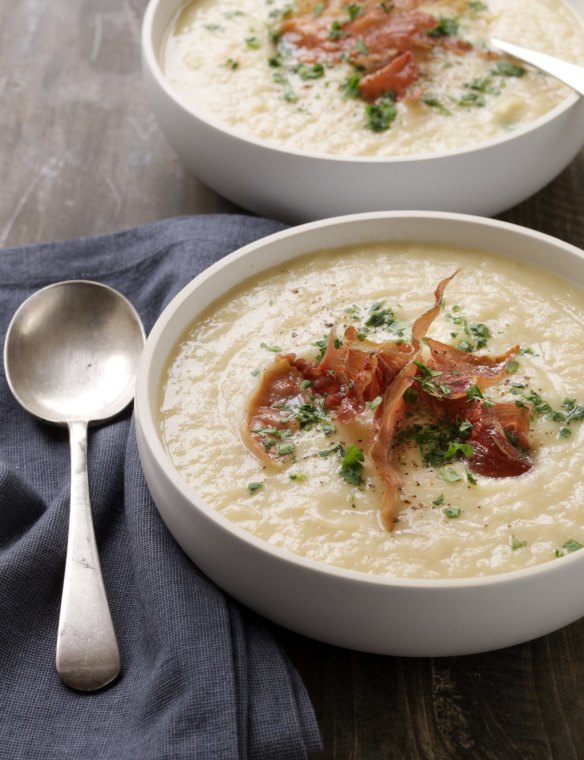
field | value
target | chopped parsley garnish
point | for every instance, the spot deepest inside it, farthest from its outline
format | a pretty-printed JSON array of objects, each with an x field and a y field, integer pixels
[
  {"x": 380, "y": 317},
  {"x": 232, "y": 64},
  {"x": 476, "y": 334},
  {"x": 309, "y": 415},
  {"x": 484, "y": 85},
  {"x": 508, "y": 69},
  {"x": 432, "y": 101},
  {"x": 274, "y": 349},
  {"x": 512, "y": 366},
  {"x": 254, "y": 487},
  {"x": 440, "y": 443},
  {"x": 361, "y": 47},
  {"x": 570, "y": 411},
  {"x": 253, "y": 42},
  {"x": 286, "y": 449},
  {"x": 477, "y": 5},
  {"x": 572, "y": 546},
  {"x": 517, "y": 543},
  {"x": 446, "y": 27},
  {"x": 352, "y": 465},
  {"x": 336, "y": 31},
  {"x": 428, "y": 381},
  {"x": 310, "y": 71},
  {"x": 288, "y": 94},
  {"x": 354, "y": 10},
  {"x": 438, "y": 500},
  {"x": 472, "y": 100},
  {"x": 471, "y": 478},
  {"x": 351, "y": 89},
  {"x": 334, "y": 449},
  {"x": 474, "y": 392},
  {"x": 449, "y": 474},
  {"x": 381, "y": 115},
  {"x": 321, "y": 345},
  {"x": 451, "y": 512},
  {"x": 298, "y": 476},
  {"x": 375, "y": 403}
]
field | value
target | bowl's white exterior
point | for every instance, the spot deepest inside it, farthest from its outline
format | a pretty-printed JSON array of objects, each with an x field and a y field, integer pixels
[
  {"x": 296, "y": 187},
  {"x": 350, "y": 609}
]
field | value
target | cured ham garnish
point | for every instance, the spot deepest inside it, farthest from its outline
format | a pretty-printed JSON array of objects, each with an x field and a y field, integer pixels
[
  {"x": 265, "y": 419},
  {"x": 390, "y": 413},
  {"x": 352, "y": 371},
  {"x": 446, "y": 386},
  {"x": 386, "y": 40},
  {"x": 494, "y": 455},
  {"x": 460, "y": 370}
]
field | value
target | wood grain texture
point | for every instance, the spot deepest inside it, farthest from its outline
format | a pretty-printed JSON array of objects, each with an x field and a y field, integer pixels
[{"x": 80, "y": 154}]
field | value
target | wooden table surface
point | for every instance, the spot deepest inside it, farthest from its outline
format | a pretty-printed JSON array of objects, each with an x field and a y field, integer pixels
[{"x": 81, "y": 154}]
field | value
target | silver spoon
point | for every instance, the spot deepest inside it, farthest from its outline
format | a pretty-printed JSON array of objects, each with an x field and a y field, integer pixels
[
  {"x": 569, "y": 73},
  {"x": 71, "y": 355}
]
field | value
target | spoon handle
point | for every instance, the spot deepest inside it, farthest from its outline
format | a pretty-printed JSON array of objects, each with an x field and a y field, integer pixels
[
  {"x": 569, "y": 73},
  {"x": 87, "y": 651}
]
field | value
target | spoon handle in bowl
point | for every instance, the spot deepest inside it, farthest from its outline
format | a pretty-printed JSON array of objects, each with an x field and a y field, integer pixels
[{"x": 87, "y": 650}]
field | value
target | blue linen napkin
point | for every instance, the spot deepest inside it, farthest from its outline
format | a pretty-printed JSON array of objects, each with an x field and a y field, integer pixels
[{"x": 202, "y": 677}]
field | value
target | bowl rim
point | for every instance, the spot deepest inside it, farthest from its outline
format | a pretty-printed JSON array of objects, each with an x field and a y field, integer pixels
[
  {"x": 146, "y": 415},
  {"x": 151, "y": 60}
]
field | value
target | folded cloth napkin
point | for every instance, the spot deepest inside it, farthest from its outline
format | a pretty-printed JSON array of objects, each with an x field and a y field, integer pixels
[{"x": 202, "y": 677}]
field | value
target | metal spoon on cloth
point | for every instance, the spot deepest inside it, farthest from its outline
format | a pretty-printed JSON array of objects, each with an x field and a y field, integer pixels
[
  {"x": 568, "y": 73},
  {"x": 70, "y": 356}
]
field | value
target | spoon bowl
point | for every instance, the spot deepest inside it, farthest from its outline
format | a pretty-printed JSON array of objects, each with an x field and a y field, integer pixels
[{"x": 71, "y": 356}]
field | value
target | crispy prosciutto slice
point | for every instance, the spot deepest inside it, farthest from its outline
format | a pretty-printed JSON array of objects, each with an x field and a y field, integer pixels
[
  {"x": 492, "y": 426},
  {"x": 265, "y": 419},
  {"x": 352, "y": 371},
  {"x": 447, "y": 387},
  {"x": 459, "y": 370},
  {"x": 391, "y": 411},
  {"x": 383, "y": 39}
]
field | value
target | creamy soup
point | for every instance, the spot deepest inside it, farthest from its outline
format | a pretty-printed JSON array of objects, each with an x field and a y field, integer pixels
[
  {"x": 451, "y": 521},
  {"x": 332, "y": 77}
]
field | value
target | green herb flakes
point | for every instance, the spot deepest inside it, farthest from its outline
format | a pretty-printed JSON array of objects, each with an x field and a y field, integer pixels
[
  {"x": 310, "y": 71},
  {"x": 449, "y": 474},
  {"x": 381, "y": 115},
  {"x": 438, "y": 500},
  {"x": 472, "y": 100},
  {"x": 351, "y": 88},
  {"x": 334, "y": 449},
  {"x": 432, "y": 101},
  {"x": 274, "y": 349},
  {"x": 508, "y": 69},
  {"x": 297, "y": 476},
  {"x": 352, "y": 465},
  {"x": 512, "y": 366},
  {"x": 253, "y": 42},
  {"x": 446, "y": 27},
  {"x": 572, "y": 546},
  {"x": 254, "y": 487},
  {"x": 517, "y": 543},
  {"x": 451, "y": 512}
]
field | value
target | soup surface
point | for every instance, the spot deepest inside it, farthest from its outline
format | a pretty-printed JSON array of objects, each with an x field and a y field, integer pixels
[
  {"x": 451, "y": 521},
  {"x": 348, "y": 78}
]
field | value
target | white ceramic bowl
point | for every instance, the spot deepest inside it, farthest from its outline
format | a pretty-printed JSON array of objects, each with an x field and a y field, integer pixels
[
  {"x": 352, "y": 609},
  {"x": 297, "y": 187}
]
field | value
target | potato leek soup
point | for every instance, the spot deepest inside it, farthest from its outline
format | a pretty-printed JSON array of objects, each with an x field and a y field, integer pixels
[
  {"x": 401, "y": 410},
  {"x": 369, "y": 78}
]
